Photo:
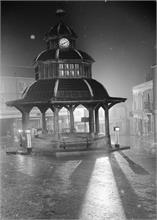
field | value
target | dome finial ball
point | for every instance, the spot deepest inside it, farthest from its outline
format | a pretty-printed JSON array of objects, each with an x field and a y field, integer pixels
[{"x": 60, "y": 13}]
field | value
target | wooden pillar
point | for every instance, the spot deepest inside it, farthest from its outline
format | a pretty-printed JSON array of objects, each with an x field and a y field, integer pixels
[
  {"x": 25, "y": 120},
  {"x": 72, "y": 128},
  {"x": 96, "y": 121},
  {"x": 107, "y": 128},
  {"x": 43, "y": 122},
  {"x": 91, "y": 121},
  {"x": 56, "y": 122}
]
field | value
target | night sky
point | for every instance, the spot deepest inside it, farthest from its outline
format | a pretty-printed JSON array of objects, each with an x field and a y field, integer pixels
[{"x": 120, "y": 36}]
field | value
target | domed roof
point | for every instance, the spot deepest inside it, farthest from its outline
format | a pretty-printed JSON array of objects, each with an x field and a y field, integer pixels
[
  {"x": 65, "y": 90},
  {"x": 71, "y": 53},
  {"x": 60, "y": 30},
  {"x": 51, "y": 91}
]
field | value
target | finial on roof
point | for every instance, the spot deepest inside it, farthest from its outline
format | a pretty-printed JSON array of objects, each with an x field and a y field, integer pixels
[{"x": 60, "y": 13}]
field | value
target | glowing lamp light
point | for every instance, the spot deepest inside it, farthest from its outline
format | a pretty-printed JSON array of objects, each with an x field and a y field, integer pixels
[
  {"x": 116, "y": 128},
  {"x": 32, "y": 37},
  {"x": 20, "y": 131}
]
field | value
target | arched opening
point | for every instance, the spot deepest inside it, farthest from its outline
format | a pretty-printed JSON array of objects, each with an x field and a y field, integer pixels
[
  {"x": 49, "y": 115},
  {"x": 64, "y": 120},
  {"x": 81, "y": 119},
  {"x": 35, "y": 118},
  {"x": 101, "y": 120},
  {"x": 119, "y": 117}
]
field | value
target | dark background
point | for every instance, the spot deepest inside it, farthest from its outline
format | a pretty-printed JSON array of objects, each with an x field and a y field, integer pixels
[{"x": 120, "y": 36}]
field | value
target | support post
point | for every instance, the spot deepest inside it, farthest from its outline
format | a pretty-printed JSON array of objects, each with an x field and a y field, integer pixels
[
  {"x": 107, "y": 129},
  {"x": 43, "y": 122},
  {"x": 91, "y": 121},
  {"x": 96, "y": 121},
  {"x": 25, "y": 120},
  {"x": 56, "y": 122},
  {"x": 72, "y": 128}
]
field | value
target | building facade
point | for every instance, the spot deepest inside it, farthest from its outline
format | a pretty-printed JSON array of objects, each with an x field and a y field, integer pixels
[
  {"x": 11, "y": 88},
  {"x": 143, "y": 119}
]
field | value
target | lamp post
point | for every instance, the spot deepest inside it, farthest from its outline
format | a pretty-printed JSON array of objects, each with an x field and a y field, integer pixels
[{"x": 116, "y": 130}]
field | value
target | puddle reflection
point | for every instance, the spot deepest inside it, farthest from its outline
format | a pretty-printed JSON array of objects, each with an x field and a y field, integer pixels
[{"x": 26, "y": 165}]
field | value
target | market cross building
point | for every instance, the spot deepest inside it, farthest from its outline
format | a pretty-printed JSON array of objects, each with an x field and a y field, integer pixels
[{"x": 63, "y": 77}]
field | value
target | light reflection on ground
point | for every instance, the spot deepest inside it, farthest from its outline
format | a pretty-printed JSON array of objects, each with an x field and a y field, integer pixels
[{"x": 102, "y": 199}]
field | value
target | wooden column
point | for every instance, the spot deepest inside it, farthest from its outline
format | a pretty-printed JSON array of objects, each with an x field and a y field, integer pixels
[
  {"x": 96, "y": 121},
  {"x": 107, "y": 128},
  {"x": 43, "y": 122},
  {"x": 25, "y": 120},
  {"x": 72, "y": 128},
  {"x": 56, "y": 122},
  {"x": 91, "y": 121}
]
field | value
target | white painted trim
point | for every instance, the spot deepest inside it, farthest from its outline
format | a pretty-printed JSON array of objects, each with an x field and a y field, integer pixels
[
  {"x": 57, "y": 54},
  {"x": 78, "y": 53},
  {"x": 89, "y": 87},
  {"x": 56, "y": 87},
  {"x": 40, "y": 54},
  {"x": 142, "y": 87}
]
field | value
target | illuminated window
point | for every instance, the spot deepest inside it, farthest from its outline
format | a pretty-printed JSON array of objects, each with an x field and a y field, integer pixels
[
  {"x": 66, "y": 66},
  {"x": 60, "y": 66},
  {"x": 67, "y": 70},
  {"x": 78, "y": 73},
  {"x": 71, "y": 66},
  {"x": 61, "y": 73},
  {"x": 76, "y": 66}
]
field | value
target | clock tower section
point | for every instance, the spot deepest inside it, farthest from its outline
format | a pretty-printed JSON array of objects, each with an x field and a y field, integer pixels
[
  {"x": 61, "y": 35},
  {"x": 61, "y": 59}
]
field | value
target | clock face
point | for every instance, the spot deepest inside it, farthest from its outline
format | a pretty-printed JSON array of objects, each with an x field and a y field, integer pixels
[{"x": 64, "y": 43}]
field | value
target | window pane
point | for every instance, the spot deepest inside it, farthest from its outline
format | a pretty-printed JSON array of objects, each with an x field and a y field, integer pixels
[
  {"x": 71, "y": 66},
  {"x": 60, "y": 66},
  {"x": 61, "y": 73},
  {"x": 67, "y": 73},
  {"x": 66, "y": 66},
  {"x": 76, "y": 66}
]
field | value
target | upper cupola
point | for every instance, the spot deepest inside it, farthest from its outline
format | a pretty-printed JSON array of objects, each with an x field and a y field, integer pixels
[
  {"x": 62, "y": 59},
  {"x": 61, "y": 34}
]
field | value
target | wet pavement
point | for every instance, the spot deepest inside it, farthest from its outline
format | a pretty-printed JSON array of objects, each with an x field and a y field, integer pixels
[{"x": 117, "y": 186}]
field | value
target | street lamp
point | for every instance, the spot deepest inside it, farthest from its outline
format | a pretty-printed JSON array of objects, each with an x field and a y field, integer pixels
[{"x": 116, "y": 130}]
